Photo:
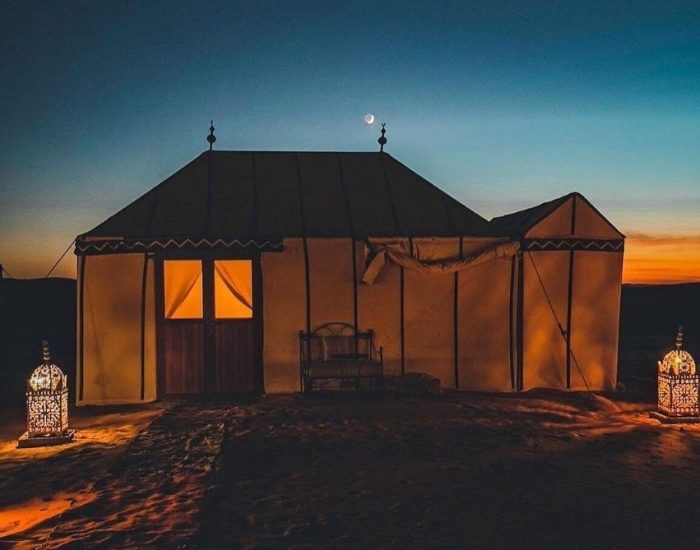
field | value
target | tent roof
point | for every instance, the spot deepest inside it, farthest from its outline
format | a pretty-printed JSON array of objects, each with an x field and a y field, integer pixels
[
  {"x": 272, "y": 195},
  {"x": 517, "y": 224}
]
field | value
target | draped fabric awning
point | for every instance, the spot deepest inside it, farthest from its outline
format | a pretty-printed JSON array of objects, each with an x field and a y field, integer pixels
[
  {"x": 86, "y": 246},
  {"x": 396, "y": 252}
]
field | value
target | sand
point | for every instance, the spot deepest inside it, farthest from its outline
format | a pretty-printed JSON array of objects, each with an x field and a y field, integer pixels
[
  {"x": 537, "y": 470},
  {"x": 38, "y": 485}
]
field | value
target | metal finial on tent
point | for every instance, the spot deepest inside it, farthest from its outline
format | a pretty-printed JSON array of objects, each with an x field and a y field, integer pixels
[
  {"x": 382, "y": 139},
  {"x": 679, "y": 338},
  {"x": 46, "y": 352},
  {"x": 211, "y": 138}
]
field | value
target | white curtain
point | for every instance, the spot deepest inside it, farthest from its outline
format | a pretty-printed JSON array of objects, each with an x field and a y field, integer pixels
[
  {"x": 183, "y": 289},
  {"x": 233, "y": 289}
]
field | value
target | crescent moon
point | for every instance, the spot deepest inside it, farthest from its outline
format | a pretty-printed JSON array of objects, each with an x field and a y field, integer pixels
[{"x": 369, "y": 119}]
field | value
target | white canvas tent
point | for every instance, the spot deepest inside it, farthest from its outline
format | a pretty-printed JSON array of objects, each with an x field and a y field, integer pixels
[
  {"x": 568, "y": 283},
  {"x": 203, "y": 284}
]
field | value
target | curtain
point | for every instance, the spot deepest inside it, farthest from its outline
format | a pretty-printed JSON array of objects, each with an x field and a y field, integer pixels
[
  {"x": 183, "y": 289},
  {"x": 233, "y": 289}
]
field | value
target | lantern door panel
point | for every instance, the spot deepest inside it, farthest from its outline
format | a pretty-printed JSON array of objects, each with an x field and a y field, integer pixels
[{"x": 208, "y": 331}]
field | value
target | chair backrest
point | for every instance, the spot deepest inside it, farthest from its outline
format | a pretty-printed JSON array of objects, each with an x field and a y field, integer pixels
[{"x": 333, "y": 340}]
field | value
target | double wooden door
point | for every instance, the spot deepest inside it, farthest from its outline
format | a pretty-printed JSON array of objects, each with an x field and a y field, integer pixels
[{"x": 209, "y": 334}]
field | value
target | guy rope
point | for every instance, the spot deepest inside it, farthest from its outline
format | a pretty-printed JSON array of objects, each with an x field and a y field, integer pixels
[
  {"x": 59, "y": 260},
  {"x": 564, "y": 333}
]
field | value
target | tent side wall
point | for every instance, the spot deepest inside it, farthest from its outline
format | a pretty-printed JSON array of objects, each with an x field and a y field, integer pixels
[
  {"x": 331, "y": 281},
  {"x": 429, "y": 328},
  {"x": 486, "y": 296},
  {"x": 379, "y": 309},
  {"x": 596, "y": 288},
  {"x": 573, "y": 284},
  {"x": 284, "y": 315},
  {"x": 116, "y": 333},
  {"x": 545, "y": 305},
  {"x": 289, "y": 307},
  {"x": 443, "y": 314},
  {"x": 596, "y": 319}
]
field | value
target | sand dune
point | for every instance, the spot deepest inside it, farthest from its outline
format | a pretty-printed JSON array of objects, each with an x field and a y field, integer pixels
[{"x": 540, "y": 470}]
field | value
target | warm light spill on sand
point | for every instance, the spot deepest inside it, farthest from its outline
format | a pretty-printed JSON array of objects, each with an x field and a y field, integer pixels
[
  {"x": 20, "y": 518},
  {"x": 66, "y": 481},
  {"x": 661, "y": 259}
]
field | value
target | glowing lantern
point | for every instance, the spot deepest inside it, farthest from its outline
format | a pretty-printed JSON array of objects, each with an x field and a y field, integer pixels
[
  {"x": 678, "y": 383},
  {"x": 47, "y": 406}
]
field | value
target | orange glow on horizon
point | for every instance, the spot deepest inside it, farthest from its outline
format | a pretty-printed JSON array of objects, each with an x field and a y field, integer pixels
[
  {"x": 661, "y": 259},
  {"x": 649, "y": 259}
]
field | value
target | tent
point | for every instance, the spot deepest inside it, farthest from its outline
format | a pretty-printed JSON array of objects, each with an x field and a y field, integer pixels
[
  {"x": 567, "y": 280},
  {"x": 204, "y": 283}
]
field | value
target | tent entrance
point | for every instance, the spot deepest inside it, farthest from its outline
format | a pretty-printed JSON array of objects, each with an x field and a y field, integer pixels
[{"x": 208, "y": 330}]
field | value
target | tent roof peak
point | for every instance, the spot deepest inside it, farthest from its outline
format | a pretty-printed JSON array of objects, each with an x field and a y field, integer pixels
[{"x": 517, "y": 224}]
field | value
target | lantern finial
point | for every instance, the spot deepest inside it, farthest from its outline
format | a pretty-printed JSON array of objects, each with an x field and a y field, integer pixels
[
  {"x": 679, "y": 338},
  {"x": 46, "y": 352}
]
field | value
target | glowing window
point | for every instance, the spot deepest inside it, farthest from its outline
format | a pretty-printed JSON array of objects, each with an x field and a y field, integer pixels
[
  {"x": 233, "y": 289},
  {"x": 183, "y": 289}
]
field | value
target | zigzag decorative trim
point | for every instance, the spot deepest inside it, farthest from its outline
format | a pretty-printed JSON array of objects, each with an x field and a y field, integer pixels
[
  {"x": 597, "y": 245},
  {"x": 143, "y": 245}
]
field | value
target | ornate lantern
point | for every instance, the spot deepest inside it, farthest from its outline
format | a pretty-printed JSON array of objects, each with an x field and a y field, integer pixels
[
  {"x": 47, "y": 406},
  {"x": 679, "y": 385}
]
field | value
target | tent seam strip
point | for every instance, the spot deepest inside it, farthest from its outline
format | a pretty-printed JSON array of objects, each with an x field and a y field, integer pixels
[
  {"x": 144, "y": 279},
  {"x": 256, "y": 205},
  {"x": 570, "y": 295},
  {"x": 391, "y": 197},
  {"x": 346, "y": 201},
  {"x": 307, "y": 274},
  {"x": 81, "y": 329}
]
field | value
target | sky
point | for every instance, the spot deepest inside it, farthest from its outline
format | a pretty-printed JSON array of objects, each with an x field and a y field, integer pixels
[{"x": 504, "y": 105}]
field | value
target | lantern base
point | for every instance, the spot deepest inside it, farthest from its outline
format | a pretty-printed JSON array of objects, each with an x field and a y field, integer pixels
[
  {"x": 665, "y": 419},
  {"x": 25, "y": 441}
]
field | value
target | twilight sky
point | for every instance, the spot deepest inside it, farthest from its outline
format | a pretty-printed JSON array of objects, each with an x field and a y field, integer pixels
[{"x": 502, "y": 104}]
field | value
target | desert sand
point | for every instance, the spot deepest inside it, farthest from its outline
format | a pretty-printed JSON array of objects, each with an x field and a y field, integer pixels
[{"x": 536, "y": 470}]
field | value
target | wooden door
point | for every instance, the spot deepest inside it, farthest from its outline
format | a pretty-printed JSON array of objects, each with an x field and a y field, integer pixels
[
  {"x": 234, "y": 323},
  {"x": 209, "y": 326},
  {"x": 234, "y": 357},
  {"x": 183, "y": 354}
]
